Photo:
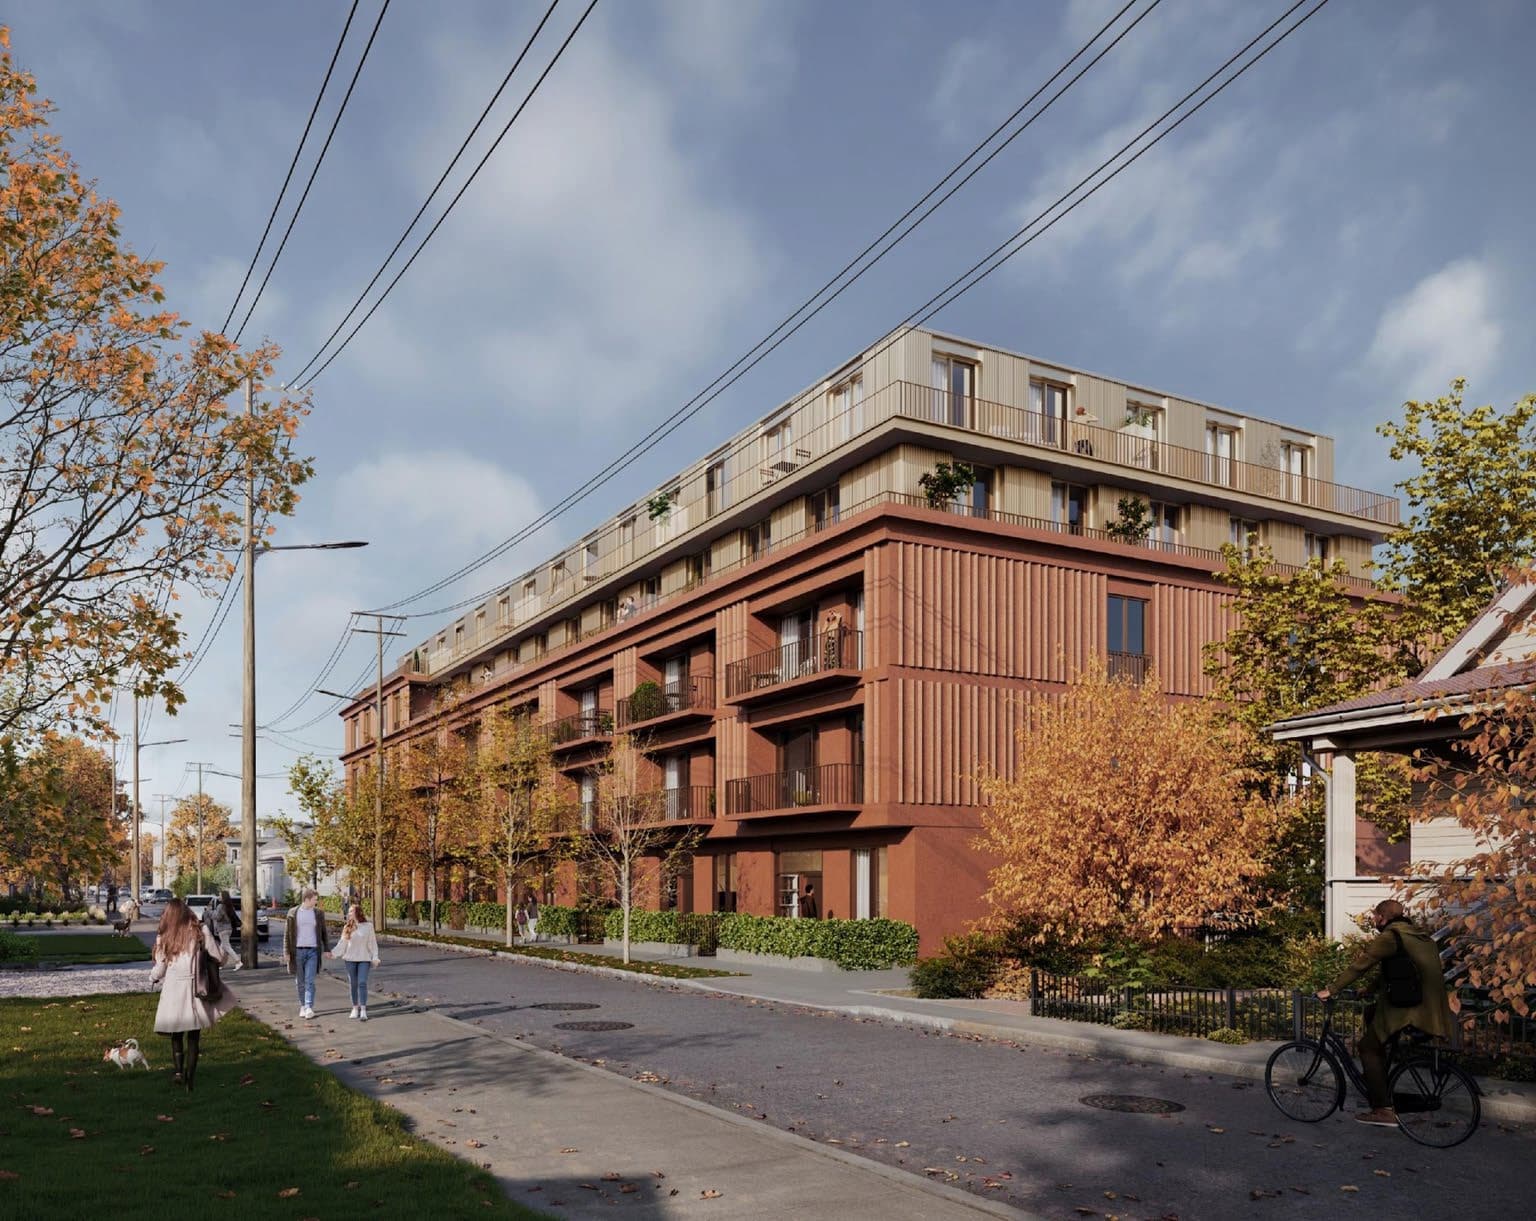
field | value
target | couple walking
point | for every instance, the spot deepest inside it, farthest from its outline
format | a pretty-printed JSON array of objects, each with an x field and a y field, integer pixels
[{"x": 305, "y": 938}]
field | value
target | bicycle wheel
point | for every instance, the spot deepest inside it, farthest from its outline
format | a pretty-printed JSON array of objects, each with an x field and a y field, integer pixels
[
  {"x": 1437, "y": 1104},
  {"x": 1304, "y": 1081}
]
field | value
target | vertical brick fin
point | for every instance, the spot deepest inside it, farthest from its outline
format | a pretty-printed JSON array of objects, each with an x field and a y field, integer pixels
[{"x": 979, "y": 723}]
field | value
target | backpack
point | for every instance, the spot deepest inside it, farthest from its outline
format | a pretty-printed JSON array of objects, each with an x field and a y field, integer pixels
[{"x": 1400, "y": 977}]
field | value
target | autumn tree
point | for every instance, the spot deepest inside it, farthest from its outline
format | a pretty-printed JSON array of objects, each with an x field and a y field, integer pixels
[
  {"x": 182, "y": 837},
  {"x": 629, "y": 844},
  {"x": 1303, "y": 640},
  {"x": 125, "y": 467},
  {"x": 1124, "y": 816},
  {"x": 58, "y": 826},
  {"x": 1471, "y": 506},
  {"x": 520, "y": 807},
  {"x": 442, "y": 793},
  {"x": 1486, "y": 781}
]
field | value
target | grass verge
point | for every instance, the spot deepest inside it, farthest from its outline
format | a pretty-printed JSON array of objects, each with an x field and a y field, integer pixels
[
  {"x": 84, "y": 1138},
  {"x": 78, "y": 948},
  {"x": 665, "y": 970}
]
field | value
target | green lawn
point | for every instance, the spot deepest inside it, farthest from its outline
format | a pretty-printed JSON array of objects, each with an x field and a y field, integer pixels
[
  {"x": 80, "y": 1137},
  {"x": 75, "y": 948},
  {"x": 666, "y": 970}
]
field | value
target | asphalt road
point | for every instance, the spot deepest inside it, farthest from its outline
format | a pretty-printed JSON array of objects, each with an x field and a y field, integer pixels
[{"x": 1002, "y": 1120}]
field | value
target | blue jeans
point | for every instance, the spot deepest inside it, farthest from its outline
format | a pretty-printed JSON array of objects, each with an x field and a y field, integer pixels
[
  {"x": 306, "y": 963},
  {"x": 357, "y": 981}
]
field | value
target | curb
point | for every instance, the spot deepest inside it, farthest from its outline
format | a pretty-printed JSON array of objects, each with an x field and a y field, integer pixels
[
  {"x": 580, "y": 968},
  {"x": 1500, "y": 1102}
]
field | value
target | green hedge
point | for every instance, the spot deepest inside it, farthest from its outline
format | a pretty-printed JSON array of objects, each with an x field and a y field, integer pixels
[
  {"x": 17, "y": 949},
  {"x": 855, "y": 945}
]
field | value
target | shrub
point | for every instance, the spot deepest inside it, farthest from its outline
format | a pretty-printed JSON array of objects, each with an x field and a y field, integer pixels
[
  {"x": 1225, "y": 1034},
  {"x": 17, "y": 949},
  {"x": 485, "y": 915},
  {"x": 396, "y": 908},
  {"x": 330, "y": 903},
  {"x": 647, "y": 701},
  {"x": 557, "y": 921},
  {"x": 969, "y": 965},
  {"x": 1131, "y": 1019}
]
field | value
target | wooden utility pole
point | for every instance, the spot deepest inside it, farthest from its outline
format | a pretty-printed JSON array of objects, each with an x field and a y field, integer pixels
[
  {"x": 134, "y": 871},
  {"x": 165, "y": 860},
  {"x": 248, "y": 873}
]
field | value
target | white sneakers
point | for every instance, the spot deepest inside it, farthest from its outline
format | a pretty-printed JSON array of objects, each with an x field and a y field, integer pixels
[
  {"x": 362, "y": 1013},
  {"x": 353, "y": 1014},
  {"x": 306, "y": 1012}
]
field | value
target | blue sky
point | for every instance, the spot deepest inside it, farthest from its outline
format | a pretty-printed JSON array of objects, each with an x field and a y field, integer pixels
[{"x": 1344, "y": 228}]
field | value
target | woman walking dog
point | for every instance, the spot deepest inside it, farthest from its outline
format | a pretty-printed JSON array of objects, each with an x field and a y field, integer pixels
[
  {"x": 182, "y": 1013},
  {"x": 359, "y": 949}
]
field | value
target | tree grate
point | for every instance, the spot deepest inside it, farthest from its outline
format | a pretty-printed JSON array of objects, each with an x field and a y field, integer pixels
[
  {"x": 594, "y": 1025},
  {"x": 1133, "y": 1104}
]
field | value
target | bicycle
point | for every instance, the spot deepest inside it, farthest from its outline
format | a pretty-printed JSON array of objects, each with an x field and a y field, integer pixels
[{"x": 1436, "y": 1101}]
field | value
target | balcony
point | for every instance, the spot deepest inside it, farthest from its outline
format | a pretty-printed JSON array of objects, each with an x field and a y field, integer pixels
[
  {"x": 689, "y": 803},
  {"x": 1128, "y": 667},
  {"x": 581, "y": 729},
  {"x": 574, "y": 818},
  {"x": 656, "y": 706},
  {"x": 821, "y": 789},
  {"x": 824, "y": 660}
]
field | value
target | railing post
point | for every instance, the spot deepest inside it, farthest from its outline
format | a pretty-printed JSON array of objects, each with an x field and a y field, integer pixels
[
  {"x": 1231, "y": 1015},
  {"x": 1034, "y": 992},
  {"x": 1296, "y": 1022}
]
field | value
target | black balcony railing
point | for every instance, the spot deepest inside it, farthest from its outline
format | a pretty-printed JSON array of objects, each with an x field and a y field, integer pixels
[
  {"x": 654, "y": 700},
  {"x": 683, "y": 804},
  {"x": 1128, "y": 667},
  {"x": 839, "y": 649},
  {"x": 591, "y": 723},
  {"x": 826, "y": 784}
]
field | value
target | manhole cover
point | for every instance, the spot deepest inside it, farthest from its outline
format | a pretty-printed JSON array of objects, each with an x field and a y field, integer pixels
[
  {"x": 594, "y": 1025},
  {"x": 1135, "y": 1104},
  {"x": 565, "y": 1005}
]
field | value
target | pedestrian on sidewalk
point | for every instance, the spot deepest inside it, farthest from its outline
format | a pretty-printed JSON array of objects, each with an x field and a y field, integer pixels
[
  {"x": 181, "y": 1013},
  {"x": 359, "y": 949},
  {"x": 225, "y": 923},
  {"x": 533, "y": 918},
  {"x": 304, "y": 940}
]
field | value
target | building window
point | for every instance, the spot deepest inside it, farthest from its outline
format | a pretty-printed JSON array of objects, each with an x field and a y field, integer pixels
[
  {"x": 698, "y": 567},
  {"x": 558, "y": 574},
  {"x": 1069, "y": 507},
  {"x": 589, "y": 559},
  {"x": 824, "y": 508},
  {"x": 1296, "y": 462},
  {"x": 1127, "y": 638},
  {"x": 1243, "y": 534},
  {"x": 870, "y": 889},
  {"x": 846, "y": 408},
  {"x": 978, "y": 500},
  {"x": 779, "y": 454},
  {"x": 1319, "y": 548},
  {"x": 530, "y": 589},
  {"x": 1220, "y": 454},
  {"x": 716, "y": 487},
  {"x": 1165, "y": 525},
  {"x": 799, "y": 885},
  {"x": 725, "y": 881},
  {"x": 954, "y": 390},
  {"x": 588, "y": 791},
  {"x": 1049, "y": 404},
  {"x": 759, "y": 538}
]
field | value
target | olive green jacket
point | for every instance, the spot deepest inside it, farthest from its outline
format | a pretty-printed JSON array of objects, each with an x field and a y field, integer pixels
[{"x": 1432, "y": 1014}]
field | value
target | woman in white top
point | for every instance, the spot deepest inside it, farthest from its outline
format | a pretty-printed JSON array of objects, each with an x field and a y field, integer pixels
[{"x": 359, "y": 949}]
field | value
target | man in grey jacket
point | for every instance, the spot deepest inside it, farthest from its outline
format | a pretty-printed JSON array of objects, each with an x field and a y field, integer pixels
[{"x": 304, "y": 940}]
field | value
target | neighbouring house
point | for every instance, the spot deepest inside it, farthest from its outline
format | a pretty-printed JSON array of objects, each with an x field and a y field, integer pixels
[
  {"x": 818, "y": 658},
  {"x": 1495, "y": 653}
]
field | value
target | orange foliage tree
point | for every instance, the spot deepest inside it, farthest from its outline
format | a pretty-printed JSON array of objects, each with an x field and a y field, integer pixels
[
  {"x": 58, "y": 829},
  {"x": 1126, "y": 814},
  {"x": 124, "y": 468},
  {"x": 1486, "y": 781},
  {"x": 181, "y": 833}
]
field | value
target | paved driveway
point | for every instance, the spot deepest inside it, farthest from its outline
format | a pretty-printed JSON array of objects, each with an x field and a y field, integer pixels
[{"x": 1000, "y": 1120}]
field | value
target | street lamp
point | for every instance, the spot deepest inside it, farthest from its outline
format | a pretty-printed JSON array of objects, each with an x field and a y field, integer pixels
[{"x": 248, "y": 872}]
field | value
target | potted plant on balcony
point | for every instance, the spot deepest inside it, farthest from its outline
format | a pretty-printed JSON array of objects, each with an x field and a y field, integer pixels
[
  {"x": 943, "y": 485},
  {"x": 660, "y": 506},
  {"x": 1138, "y": 421},
  {"x": 1133, "y": 523},
  {"x": 646, "y": 702}
]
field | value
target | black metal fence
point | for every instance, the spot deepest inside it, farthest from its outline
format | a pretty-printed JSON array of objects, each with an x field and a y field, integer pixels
[{"x": 1260, "y": 1014}]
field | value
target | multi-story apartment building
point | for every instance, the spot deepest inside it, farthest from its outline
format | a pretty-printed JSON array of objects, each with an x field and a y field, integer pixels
[{"x": 839, "y": 660}]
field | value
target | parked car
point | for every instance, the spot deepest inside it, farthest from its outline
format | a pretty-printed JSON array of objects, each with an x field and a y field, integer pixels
[
  {"x": 161, "y": 895},
  {"x": 200, "y": 904},
  {"x": 146, "y": 894},
  {"x": 263, "y": 930}
]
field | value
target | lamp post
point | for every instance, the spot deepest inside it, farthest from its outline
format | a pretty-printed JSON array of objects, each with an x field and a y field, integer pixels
[
  {"x": 248, "y": 871},
  {"x": 134, "y": 872}
]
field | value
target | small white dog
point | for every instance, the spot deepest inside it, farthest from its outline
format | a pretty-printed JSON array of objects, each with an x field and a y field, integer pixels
[{"x": 126, "y": 1055}]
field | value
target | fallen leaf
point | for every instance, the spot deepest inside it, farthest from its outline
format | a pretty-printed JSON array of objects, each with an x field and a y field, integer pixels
[
  {"x": 350, "y": 1184},
  {"x": 709, "y": 1193},
  {"x": 166, "y": 1118},
  {"x": 77, "y": 1134},
  {"x": 8, "y": 1176},
  {"x": 247, "y": 1079},
  {"x": 475, "y": 1144},
  {"x": 1384, "y": 1174},
  {"x": 287, "y": 1193},
  {"x": 226, "y": 1195},
  {"x": 42, "y": 1110},
  {"x": 1213, "y": 1128},
  {"x": 903, "y": 1144},
  {"x": 146, "y": 1150},
  {"x": 570, "y": 1150},
  {"x": 1349, "y": 1187}
]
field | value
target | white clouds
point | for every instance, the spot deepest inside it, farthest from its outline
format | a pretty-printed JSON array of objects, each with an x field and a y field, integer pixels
[
  {"x": 1444, "y": 327},
  {"x": 968, "y": 74},
  {"x": 739, "y": 50}
]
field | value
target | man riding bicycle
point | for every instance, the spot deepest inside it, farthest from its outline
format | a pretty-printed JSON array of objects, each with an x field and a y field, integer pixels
[{"x": 1411, "y": 993}]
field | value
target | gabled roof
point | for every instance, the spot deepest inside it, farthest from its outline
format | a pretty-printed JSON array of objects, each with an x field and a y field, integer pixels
[{"x": 1467, "y": 672}]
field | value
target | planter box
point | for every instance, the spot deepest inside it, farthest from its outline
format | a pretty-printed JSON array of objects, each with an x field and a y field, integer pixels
[
  {"x": 666, "y": 949},
  {"x": 747, "y": 959}
]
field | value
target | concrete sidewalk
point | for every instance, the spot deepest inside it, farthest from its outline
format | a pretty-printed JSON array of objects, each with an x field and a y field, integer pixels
[
  {"x": 867, "y": 994},
  {"x": 578, "y": 1141}
]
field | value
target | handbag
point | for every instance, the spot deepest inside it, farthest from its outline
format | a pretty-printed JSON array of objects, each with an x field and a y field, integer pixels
[{"x": 206, "y": 984}]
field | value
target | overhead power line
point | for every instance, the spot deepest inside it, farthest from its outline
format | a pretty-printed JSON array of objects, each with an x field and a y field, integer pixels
[
  {"x": 453, "y": 203},
  {"x": 292, "y": 165},
  {"x": 314, "y": 171},
  {"x": 808, "y": 309},
  {"x": 426, "y": 203}
]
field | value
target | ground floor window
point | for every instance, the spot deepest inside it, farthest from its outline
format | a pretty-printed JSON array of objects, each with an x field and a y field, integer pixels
[
  {"x": 869, "y": 883},
  {"x": 725, "y": 882},
  {"x": 799, "y": 891}
]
